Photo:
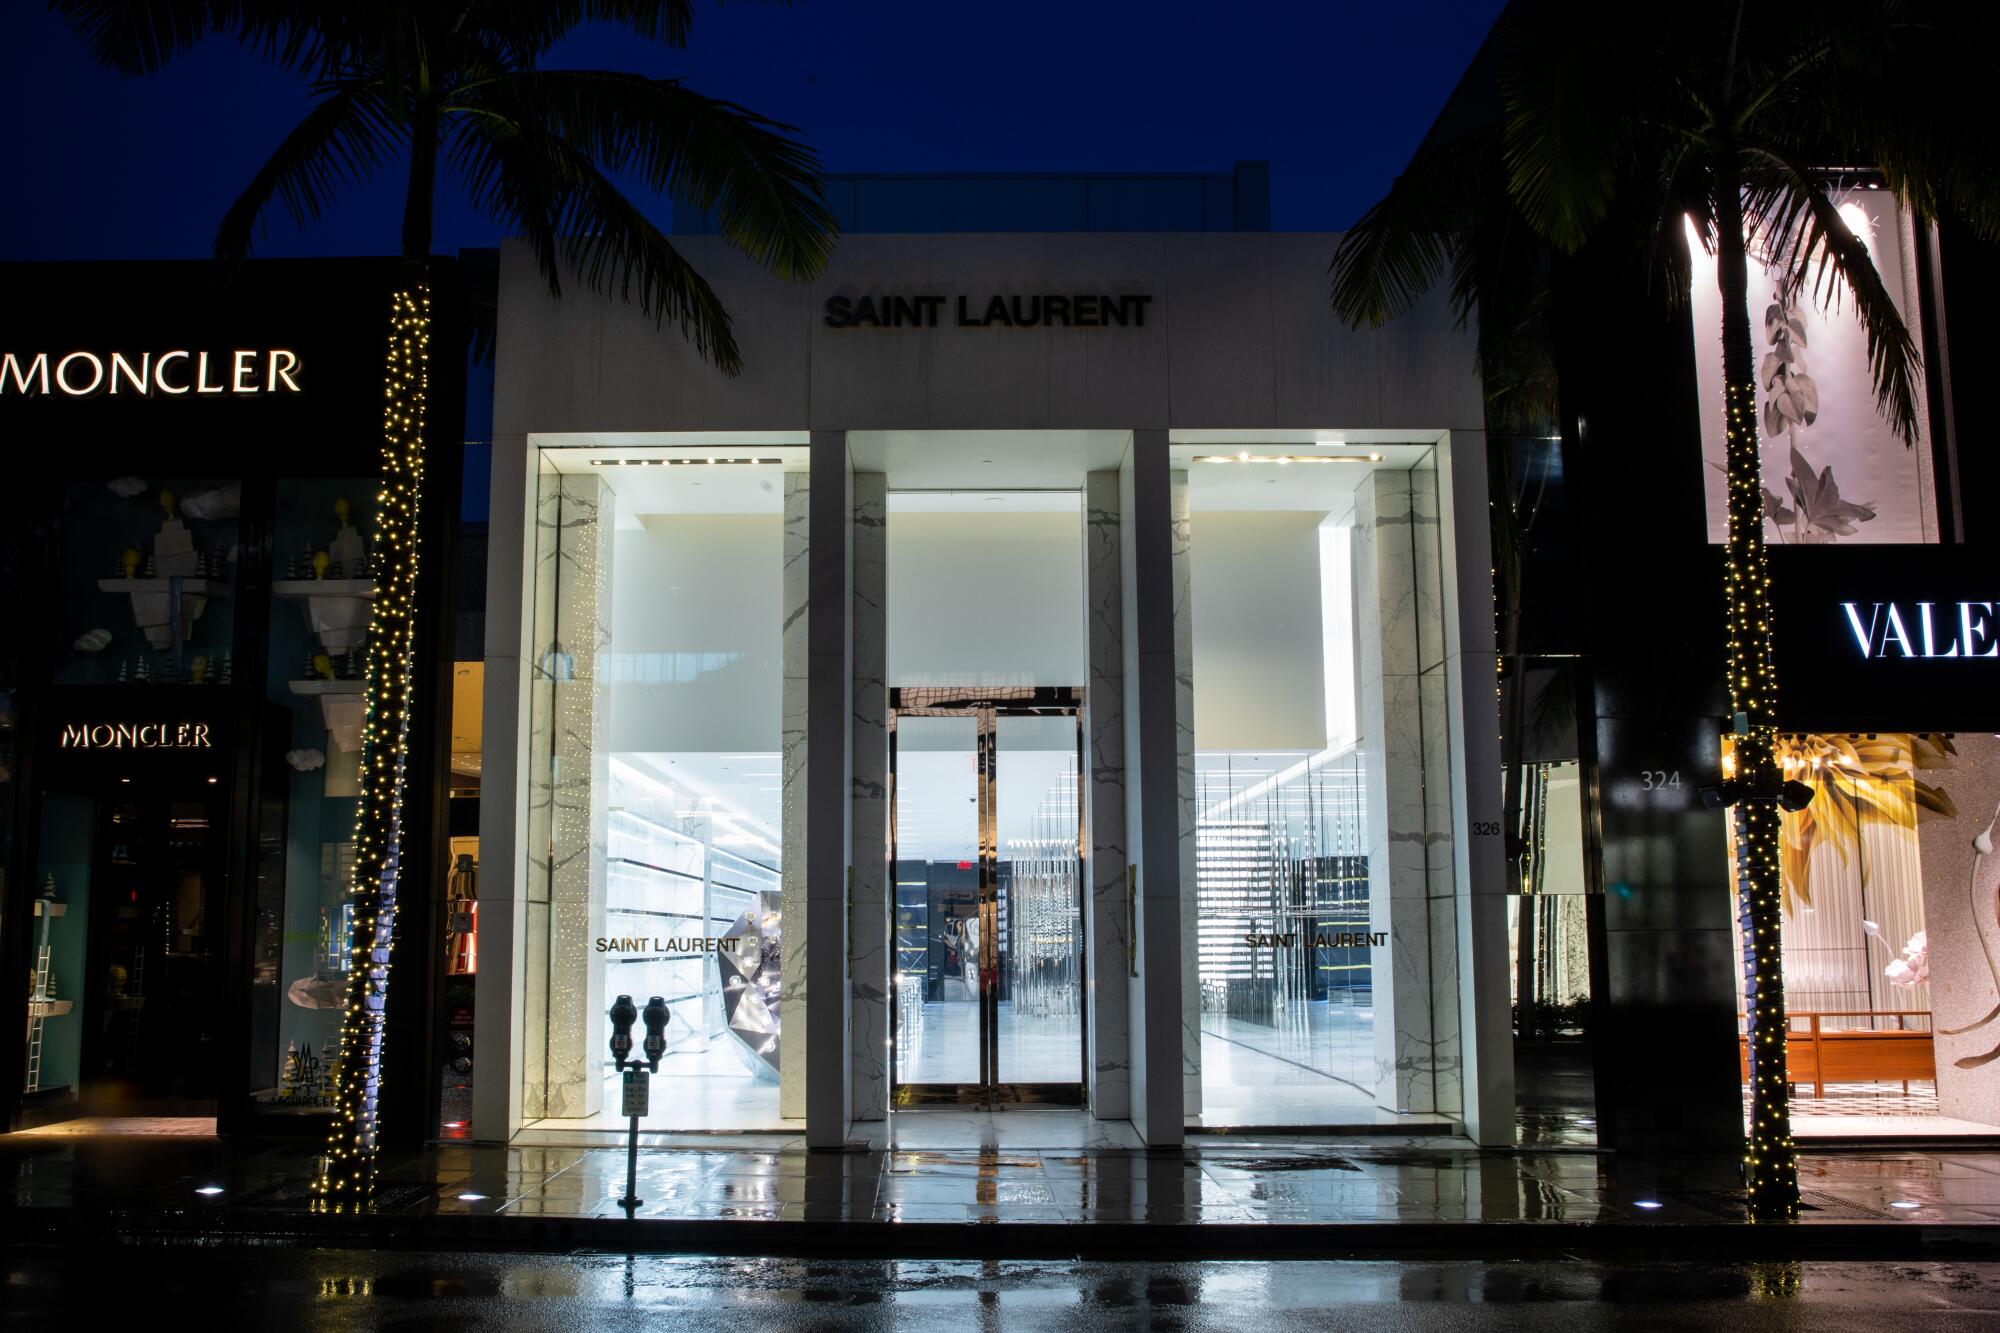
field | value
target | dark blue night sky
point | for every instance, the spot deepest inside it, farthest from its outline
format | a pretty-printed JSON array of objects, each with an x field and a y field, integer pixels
[{"x": 1335, "y": 96}]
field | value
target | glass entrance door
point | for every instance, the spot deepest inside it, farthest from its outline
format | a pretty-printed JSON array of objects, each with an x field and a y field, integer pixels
[{"x": 985, "y": 842}]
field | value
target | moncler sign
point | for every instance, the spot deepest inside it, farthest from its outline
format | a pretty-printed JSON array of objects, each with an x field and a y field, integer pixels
[{"x": 170, "y": 373}]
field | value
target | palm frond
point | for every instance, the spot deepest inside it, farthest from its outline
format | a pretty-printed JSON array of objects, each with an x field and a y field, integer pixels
[
  {"x": 341, "y": 142},
  {"x": 761, "y": 183},
  {"x": 1812, "y": 242},
  {"x": 140, "y": 36},
  {"x": 1402, "y": 245},
  {"x": 578, "y": 222},
  {"x": 1568, "y": 123}
]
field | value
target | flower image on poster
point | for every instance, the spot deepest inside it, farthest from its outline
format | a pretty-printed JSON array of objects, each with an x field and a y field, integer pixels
[{"x": 1834, "y": 469}]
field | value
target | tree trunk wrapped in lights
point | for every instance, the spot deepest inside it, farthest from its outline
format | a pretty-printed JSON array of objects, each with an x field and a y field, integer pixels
[
  {"x": 1771, "y": 1163},
  {"x": 347, "y": 1172}
]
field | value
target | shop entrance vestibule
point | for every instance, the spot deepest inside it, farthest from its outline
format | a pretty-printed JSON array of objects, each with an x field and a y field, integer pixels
[{"x": 986, "y": 935}]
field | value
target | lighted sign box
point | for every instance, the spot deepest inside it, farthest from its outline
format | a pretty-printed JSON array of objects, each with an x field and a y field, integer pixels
[{"x": 1887, "y": 638}]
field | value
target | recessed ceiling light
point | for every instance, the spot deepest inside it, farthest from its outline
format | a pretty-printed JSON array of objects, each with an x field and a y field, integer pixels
[
  {"x": 1647, "y": 1204},
  {"x": 1905, "y": 1203},
  {"x": 470, "y": 1198},
  {"x": 209, "y": 1190}
]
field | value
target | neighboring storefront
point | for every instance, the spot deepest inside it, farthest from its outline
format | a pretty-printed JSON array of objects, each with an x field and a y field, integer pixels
[
  {"x": 1890, "y": 658},
  {"x": 190, "y": 573},
  {"x": 1059, "y": 671}
]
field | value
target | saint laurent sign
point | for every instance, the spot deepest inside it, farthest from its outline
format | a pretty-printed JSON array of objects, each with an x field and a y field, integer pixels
[
  {"x": 1064, "y": 310},
  {"x": 134, "y": 736},
  {"x": 1925, "y": 629},
  {"x": 666, "y": 944},
  {"x": 169, "y": 374},
  {"x": 1342, "y": 939}
]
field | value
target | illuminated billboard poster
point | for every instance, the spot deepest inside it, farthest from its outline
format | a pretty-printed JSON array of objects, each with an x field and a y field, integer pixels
[{"x": 1834, "y": 470}]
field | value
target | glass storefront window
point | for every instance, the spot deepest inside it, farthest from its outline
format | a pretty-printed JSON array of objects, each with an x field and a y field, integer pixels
[
  {"x": 1323, "y": 953},
  {"x": 657, "y": 786},
  {"x": 1891, "y": 937},
  {"x": 322, "y": 591},
  {"x": 136, "y": 554}
]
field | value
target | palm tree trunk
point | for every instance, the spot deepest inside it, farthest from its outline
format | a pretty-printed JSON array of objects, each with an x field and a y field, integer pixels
[
  {"x": 1771, "y": 1172},
  {"x": 347, "y": 1174}
]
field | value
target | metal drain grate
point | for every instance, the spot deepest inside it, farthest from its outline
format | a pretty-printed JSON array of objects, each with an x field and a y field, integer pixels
[{"x": 1833, "y": 1206}]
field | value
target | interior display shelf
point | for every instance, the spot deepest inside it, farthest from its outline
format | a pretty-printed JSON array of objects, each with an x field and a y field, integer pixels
[
  {"x": 50, "y": 908},
  {"x": 49, "y": 1008},
  {"x": 191, "y": 586},
  {"x": 293, "y": 589},
  {"x": 322, "y": 687},
  {"x": 637, "y": 864},
  {"x": 626, "y": 812},
  {"x": 654, "y": 911}
]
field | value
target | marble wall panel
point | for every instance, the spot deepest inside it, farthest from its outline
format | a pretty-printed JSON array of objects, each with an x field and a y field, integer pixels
[
  {"x": 1405, "y": 744},
  {"x": 868, "y": 983},
  {"x": 578, "y": 783},
  {"x": 1109, "y": 942},
  {"x": 1184, "y": 789},
  {"x": 792, "y": 796}
]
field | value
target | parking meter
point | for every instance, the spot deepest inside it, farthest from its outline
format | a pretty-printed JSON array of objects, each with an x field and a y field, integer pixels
[
  {"x": 623, "y": 1014},
  {"x": 656, "y": 1032}
]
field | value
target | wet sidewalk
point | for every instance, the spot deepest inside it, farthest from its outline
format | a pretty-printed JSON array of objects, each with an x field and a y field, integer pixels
[{"x": 1222, "y": 1195}]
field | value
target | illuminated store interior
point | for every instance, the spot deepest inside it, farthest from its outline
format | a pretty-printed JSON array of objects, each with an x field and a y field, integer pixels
[{"x": 1891, "y": 943}]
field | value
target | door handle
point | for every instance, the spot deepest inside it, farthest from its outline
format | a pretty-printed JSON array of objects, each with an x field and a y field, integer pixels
[{"x": 1132, "y": 918}]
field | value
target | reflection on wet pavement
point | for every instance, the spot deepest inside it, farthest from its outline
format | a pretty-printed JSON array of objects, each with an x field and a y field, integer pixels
[
  {"x": 1233, "y": 1179},
  {"x": 372, "y": 1289}
]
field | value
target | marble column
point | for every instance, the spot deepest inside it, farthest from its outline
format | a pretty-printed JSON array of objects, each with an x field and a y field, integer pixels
[
  {"x": 1462, "y": 753},
  {"x": 823, "y": 1046},
  {"x": 1155, "y": 681},
  {"x": 792, "y": 796},
  {"x": 501, "y": 986},
  {"x": 1109, "y": 959},
  {"x": 568, "y": 791},
  {"x": 1184, "y": 790},
  {"x": 868, "y": 924},
  {"x": 1416, "y": 1020}
]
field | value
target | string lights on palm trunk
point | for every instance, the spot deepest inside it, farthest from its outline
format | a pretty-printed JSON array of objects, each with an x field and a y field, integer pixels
[
  {"x": 1756, "y": 790},
  {"x": 347, "y": 1173}
]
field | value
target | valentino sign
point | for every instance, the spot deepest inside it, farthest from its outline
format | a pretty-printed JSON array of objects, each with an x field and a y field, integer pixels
[
  {"x": 1066, "y": 310},
  {"x": 1924, "y": 629},
  {"x": 166, "y": 374}
]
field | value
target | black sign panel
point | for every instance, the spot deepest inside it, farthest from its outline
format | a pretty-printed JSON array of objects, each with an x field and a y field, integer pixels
[
  {"x": 227, "y": 370},
  {"x": 1887, "y": 638}
]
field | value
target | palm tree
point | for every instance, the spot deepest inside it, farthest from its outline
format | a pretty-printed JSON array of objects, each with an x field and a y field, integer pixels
[
  {"x": 457, "y": 87},
  {"x": 1623, "y": 128}
]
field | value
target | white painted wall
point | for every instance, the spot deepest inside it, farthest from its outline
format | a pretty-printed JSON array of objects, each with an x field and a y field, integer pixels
[
  {"x": 989, "y": 599},
  {"x": 689, "y": 587},
  {"x": 1259, "y": 654}
]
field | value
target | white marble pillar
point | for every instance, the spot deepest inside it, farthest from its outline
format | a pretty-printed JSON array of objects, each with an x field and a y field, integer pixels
[
  {"x": 1470, "y": 738},
  {"x": 568, "y": 797},
  {"x": 824, "y": 1046},
  {"x": 792, "y": 797},
  {"x": 1184, "y": 790},
  {"x": 1154, "y": 682},
  {"x": 1109, "y": 959},
  {"x": 1416, "y": 1018},
  {"x": 501, "y": 986},
  {"x": 868, "y": 924}
]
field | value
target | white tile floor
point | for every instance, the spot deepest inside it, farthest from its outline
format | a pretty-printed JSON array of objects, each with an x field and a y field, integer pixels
[
  {"x": 705, "y": 1090},
  {"x": 1874, "y": 1110},
  {"x": 944, "y": 1046},
  {"x": 1314, "y": 1069}
]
